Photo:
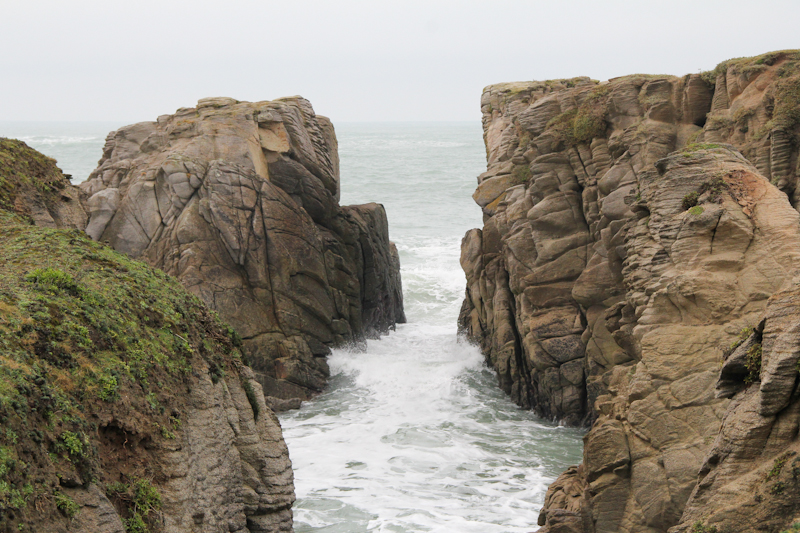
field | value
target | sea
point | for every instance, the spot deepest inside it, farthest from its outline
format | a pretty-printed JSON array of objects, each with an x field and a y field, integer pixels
[{"x": 412, "y": 434}]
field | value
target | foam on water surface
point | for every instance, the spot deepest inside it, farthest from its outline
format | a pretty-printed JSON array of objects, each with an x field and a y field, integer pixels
[{"x": 413, "y": 433}]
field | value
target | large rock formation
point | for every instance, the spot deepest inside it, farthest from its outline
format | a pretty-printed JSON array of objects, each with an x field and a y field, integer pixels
[
  {"x": 239, "y": 201},
  {"x": 124, "y": 401},
  {"x": 632, "y": 230}
]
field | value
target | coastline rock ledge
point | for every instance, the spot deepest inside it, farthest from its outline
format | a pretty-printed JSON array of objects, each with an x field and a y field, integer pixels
[
  {"x": 637, "y": 272},
  {"x": 240, "y": 201}
]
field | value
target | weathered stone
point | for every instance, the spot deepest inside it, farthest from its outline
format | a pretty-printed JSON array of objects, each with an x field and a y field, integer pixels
[
  {"x": 638, "y": 260},
  {"x": 35, "y": 189},
  {"x": 240, "y": 202}
]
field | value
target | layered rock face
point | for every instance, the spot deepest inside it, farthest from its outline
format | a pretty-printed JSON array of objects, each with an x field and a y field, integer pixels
[
  {"x": 124, "y": 401},
  {"x": 749, "y": 478},
  {"x": 239, "y": 201},
  {"x": 632, "y": 230}
]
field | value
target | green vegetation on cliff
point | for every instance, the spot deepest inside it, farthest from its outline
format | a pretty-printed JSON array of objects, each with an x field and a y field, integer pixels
[
  {"x": 95, "y": 348},
  {"x": 784, "y": 96},
  {"x": 583, "y": 124},
  {"x": 748, "y": 65},
  {"x": 24, "y": 169}
]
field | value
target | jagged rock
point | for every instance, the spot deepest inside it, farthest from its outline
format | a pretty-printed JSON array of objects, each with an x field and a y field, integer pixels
[
  {"x": 239, "y": 201},
  {"x": 278, "y": 405},
  {"x": 613, "y": 271}
]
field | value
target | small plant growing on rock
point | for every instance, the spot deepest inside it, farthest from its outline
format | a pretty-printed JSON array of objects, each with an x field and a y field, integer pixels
[
  {"x": 521, "y": 174},
  {"x": 142, "y": 501},
  {"x": 66, "y": 505},
  {"x": 777, "y": 466},
  {"x": 753, "y": 364},
  {"x": 73, "y": 443},
  {"x": 714, "y": 188},
  {"x": 109, "y": 388},
  {"x": 583, "y": 124},
  {"x": 743, "y": 336},
  {"x": 699, "y": 527},
  {"x": 696, "y": 210},
  {"x": 166, "y": 433},
  {"x": 696, "y": 147},
  {"x": 777, "y": 488},
  {"x": 690, "y": 200}
]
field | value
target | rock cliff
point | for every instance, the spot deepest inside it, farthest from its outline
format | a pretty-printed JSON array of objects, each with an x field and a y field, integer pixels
[
  {"x": 634, "y": 230},
  {"x": 124, "y": 402},
  {"x": 239, "y": 201}
]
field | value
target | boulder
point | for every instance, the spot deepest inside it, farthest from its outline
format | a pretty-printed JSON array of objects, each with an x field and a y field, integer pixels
[{"x": 239, "y": 201}]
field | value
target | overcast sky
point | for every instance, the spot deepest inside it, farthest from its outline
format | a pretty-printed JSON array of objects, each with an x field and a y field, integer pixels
[{"x": 370, "y": 60}]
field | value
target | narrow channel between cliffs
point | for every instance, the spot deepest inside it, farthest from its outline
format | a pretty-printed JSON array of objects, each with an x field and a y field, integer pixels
[{"x": 413, "y": 433}]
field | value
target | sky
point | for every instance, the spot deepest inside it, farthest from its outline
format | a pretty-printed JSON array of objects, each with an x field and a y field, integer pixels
[{"x": 356, "y": 61}]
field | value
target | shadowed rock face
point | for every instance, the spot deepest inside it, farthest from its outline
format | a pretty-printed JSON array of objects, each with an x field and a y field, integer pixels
[
  {"x": 239, "y": 201},
  {"x": 612, "y": 273}
]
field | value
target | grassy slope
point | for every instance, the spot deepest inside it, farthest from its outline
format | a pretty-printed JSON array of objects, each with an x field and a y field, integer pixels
[{"x": 94, "y": 347}]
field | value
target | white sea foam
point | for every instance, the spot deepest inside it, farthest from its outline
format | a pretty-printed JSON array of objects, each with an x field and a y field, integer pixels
[
  {"x": 413, "y": 434},
  {"x": 37, "y": 139}
]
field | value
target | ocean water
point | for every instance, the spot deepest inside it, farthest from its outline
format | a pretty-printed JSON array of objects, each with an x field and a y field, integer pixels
[
  {"x": 413, "y": 434},
  {"x": 77, "y": 146}
]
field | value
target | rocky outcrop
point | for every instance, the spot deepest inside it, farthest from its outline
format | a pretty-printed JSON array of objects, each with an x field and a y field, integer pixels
[
  {"x": 632, "y": 230},
  {"x": 124, "y": 401},
  {"x": 749, "y": 478},
  {"x": 239, "y": 201},
  {"x": 33, "y": 189}
]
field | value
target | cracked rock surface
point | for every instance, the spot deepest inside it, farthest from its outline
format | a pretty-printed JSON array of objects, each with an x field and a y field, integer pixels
[
  {"x": 633, "y": 229},
  {"x": 239, "y": 201}
]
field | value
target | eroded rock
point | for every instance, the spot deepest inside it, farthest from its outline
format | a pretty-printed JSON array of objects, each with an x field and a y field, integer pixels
[
  {"x": 239, "y": 201},
  {"x": 644, "y": 226}
]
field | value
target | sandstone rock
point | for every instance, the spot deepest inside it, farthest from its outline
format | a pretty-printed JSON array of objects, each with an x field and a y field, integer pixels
[
  {"x": 239, "y": 201},
  {"x": 748, "y": 478},
  {"x": 605, "y": 288}
]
